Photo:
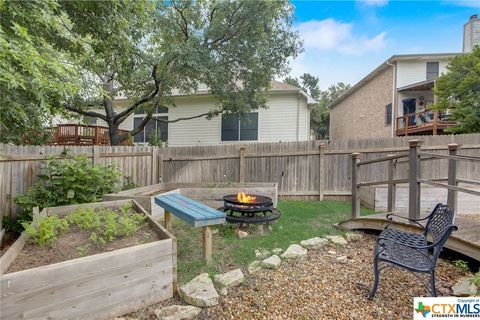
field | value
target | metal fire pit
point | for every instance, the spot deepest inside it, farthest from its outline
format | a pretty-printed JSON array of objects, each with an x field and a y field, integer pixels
[{"x": 260, "y": 210}]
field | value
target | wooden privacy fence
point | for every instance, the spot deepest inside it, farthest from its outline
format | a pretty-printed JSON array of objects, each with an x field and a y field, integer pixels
[{"x": 303, "y": 169}]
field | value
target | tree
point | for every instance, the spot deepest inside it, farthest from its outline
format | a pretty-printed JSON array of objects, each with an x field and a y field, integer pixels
[
  {"x": 35, "y": 77},
  {"x": 459, "y": 91},
  {"x": 146, "y": 51},
  {"x": 320, "y": 116}
]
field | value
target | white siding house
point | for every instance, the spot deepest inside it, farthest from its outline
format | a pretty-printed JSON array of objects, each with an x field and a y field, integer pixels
[{"x": 287, "y": 118}]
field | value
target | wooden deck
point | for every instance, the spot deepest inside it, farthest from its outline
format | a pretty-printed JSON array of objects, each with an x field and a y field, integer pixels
[{"x": 466, "y": 240}]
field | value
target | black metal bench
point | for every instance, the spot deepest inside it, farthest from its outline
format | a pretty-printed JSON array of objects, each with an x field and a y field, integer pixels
[{"x": 411, "y": 251}]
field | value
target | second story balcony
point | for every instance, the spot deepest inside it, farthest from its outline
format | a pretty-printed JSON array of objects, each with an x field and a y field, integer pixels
[{"x": 428, "y": 122}]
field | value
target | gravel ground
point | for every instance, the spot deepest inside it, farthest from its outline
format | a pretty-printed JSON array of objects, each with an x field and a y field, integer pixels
[{"x": 319, "y": 287}]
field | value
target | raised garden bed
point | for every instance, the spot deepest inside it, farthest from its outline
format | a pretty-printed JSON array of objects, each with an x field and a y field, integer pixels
[
  {"x": 99, "y": 286},
  {"x": 209, "y": 193}
]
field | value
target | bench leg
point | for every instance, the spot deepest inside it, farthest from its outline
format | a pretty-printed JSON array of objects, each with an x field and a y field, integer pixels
[
  {"x": 207, "y": 243},
  {"x": 168, "y": 220}
]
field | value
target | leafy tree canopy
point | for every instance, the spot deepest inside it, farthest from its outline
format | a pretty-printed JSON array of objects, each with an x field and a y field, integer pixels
[
  {"x": 320, "y": 116},
  {"x": 147, "y": 49},
  {"x": 459, "y": 91},
  {"x": 34, "y": 78}
]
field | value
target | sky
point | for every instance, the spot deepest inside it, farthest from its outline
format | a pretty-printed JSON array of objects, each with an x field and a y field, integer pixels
[{"x": 345, "y": 40}]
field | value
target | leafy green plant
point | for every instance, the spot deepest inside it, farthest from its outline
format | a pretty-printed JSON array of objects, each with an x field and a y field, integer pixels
[
  {"x": 67, "y": 181},
  {"x": 83, "y": 250},
  {"x": 106, "y": 225},
  {"x": 128, "y": 183},
  {"x": 475, "y": 278},
  {"x": 461, "y": 264},
  {"x": 155, "y": 139},
  {"x": 46, "y": 230}
]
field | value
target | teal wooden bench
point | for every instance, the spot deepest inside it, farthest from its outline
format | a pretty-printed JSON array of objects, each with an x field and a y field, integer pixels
[{"x": 194, "y": 213}]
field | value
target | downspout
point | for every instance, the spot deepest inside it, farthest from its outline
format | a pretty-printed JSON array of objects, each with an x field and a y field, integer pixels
[
  {"x": 394, "y": 96},
  {"x": 298, "y": 116}
]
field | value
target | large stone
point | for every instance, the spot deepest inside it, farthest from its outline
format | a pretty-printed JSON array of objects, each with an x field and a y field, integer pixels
[
  {"x": 294, "y": 251},
  {"x": 464, "y": 288},
  {"x": 342, "y": 259},
  {"x": 314, "y": 243},
  {"x": 177, "y": 312},
  {"x": 353, "y": 236},
  {"x": 229, "y": 279},
  {"x": 254, "y": 267},
  {"x": 261, "y": 253},
  {"x": 272, "y": 263},
  {"x": 338, "y": 240},
  {"x": 199, "y": 292},
  {"x": 241, "y": 234}
]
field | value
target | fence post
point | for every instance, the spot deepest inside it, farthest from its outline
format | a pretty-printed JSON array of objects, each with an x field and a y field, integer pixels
[
  {"x": 355, "y": 188},
  {"x": 160, "y": 169},
  {"x": 391, "y": 186},
  {"x": 414, "y": 176},
  {"x": 452, "y": 175},
  {"x": 321, "y": 171},
  {"x": 154, "y": 174},
  {"x": 242, "y": 165},
  {"x": 96, "y": 155}
]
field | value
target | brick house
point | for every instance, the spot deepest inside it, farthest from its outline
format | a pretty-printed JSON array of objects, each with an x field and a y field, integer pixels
[{"x": 394, "y": 99}]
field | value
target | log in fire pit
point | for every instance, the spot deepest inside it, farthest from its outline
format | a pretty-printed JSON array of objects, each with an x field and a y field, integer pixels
[{"x": 244, "y": 208}]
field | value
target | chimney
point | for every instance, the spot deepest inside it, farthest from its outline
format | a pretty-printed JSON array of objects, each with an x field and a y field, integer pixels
[{"x": 471, "y": 34}]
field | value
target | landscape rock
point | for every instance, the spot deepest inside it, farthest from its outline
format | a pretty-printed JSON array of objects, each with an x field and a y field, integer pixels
[
  {"x": 254, "y": 267},
  {"x": 294, "y": 251},
  {"x": 338, "y": 240},
  {"x": 223, "y": 291},
  {"x": 272, "y": 263},
  {"x": 277, "y": 250},
  {"x": 241, "y": 234},
  {"x": 261, "y": 253},
  {"x": 342, "y": 259},
  {"x": 464, "y": 288},
  {"x": 332, "y": 252},
  {"x": 314, "y": 243},
  {"x": 353, "y": 236},
  {"x": 199, "y": 292},
  {"x": 177, "y": 312},
  {"x": 229, "y": 279}
]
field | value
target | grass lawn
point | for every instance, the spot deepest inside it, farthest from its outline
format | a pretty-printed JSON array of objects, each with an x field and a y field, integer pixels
[{"x": 300, "y": 220}]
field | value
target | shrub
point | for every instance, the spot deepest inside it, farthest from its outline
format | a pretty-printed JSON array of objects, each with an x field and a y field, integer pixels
[{"x": 68, "y": 181}]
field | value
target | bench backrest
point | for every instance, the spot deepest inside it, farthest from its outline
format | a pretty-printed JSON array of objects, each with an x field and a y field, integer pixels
[{"x": 440, "y": 224}]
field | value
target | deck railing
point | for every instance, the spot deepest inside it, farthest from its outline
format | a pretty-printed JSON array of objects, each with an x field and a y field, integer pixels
[
  {"x": 414, "y": 157},
  {"x": 78, "y": 134},
  {"x": 426, "y": 121}
]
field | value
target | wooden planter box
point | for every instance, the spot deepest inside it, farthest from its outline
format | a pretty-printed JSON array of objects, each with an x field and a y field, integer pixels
[
  {"x": 99, "y": 286},
  {"x": 209, "y": 193}
]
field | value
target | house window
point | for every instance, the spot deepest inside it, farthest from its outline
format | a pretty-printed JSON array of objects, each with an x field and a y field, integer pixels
[
  {"x": 388, "y": 114},
  {"x": 240, "y": 128},
  {"x": 152, "y": 125},
  {"x": 432, "y": 70}
]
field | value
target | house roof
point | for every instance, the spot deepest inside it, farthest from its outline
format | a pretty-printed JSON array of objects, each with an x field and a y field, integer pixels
[
  {"x": 419, "y": 86},
  {"x": 387, "y": 64},
  {"x": 276, "y": 86}
]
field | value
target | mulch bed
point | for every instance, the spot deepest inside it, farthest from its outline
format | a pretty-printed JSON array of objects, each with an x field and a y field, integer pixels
[
  {"x": 319, "y": 287},
  {"x": 67, "y": 248}
]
